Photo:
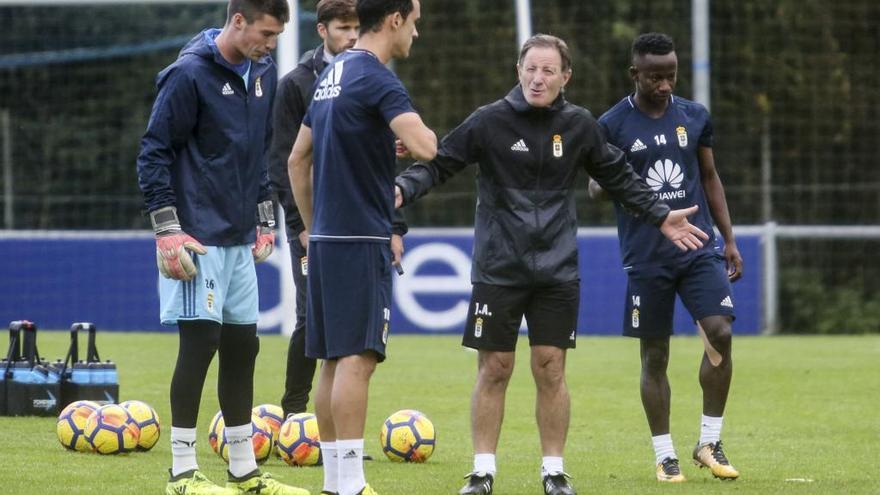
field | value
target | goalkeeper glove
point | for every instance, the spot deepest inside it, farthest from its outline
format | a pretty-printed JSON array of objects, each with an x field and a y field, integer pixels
[
  {"x": 172, "y": 244},
  {"x": 265, "y": 233}
]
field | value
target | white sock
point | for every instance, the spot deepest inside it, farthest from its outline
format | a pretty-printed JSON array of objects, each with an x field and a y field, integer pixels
[
  {"x": 351, "y": 466},
  {"x": 663, "y": 447},
  {"x": 551, "y": 465},
  {"x": 331, "y": 466},
  {"x": 183, "y": 450},
  {"x": 241, "y": 450},
  {"x": 710, "y": 429},
  {"x": 484, "y": 464}
]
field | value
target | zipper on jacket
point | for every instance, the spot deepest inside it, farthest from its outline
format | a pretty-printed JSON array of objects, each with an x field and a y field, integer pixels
[
  {"x": 247, "y": 124},
  {"x": 541, "y": 122}
]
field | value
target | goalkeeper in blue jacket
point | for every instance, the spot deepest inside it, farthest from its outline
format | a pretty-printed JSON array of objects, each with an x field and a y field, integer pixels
[{"x": 202, "y": 169}]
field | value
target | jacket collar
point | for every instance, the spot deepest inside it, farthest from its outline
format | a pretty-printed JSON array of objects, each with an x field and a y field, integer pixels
[
  {"x": 313, "y": 60},
  {"x": 517, "y": 100},
  {"x": 203, "y": 45}
]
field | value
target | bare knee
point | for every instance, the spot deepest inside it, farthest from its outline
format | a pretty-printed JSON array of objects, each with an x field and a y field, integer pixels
[
  {"x": 655, "y": 356},
  {"x": 720, "y": 336},
  {"x": 717, "y": 337},
  {"x": 548, "y": 366},
  {"x": 496, "y": 368},
  {"x": 360, "y": 365}
]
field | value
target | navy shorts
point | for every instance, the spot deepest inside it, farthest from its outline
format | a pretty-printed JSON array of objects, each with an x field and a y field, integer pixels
[
  {"x": 495, "y": 314},
  {"x": 349, "y": 299},
  {"x": 701, "y": 282}
]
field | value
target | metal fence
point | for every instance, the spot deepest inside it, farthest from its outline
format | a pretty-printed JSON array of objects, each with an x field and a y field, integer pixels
[{"x": 793, "y": 107}]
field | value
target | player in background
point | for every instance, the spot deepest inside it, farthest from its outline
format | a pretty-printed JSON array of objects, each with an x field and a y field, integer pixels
[
  {"x": 357, "y": 108},
  {"x": 202, "y": 170},
  {"x": 529, "y": 147},
  {"x": 338, "y": 28},
  {"x": 668, "y": 140}
]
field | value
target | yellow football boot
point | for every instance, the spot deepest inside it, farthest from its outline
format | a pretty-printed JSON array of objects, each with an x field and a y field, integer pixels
[
  {"x": 263, "y": 484},
  {"x": 367, "y": 490},
  {"x": 194, "y": 483},
  {"x": 711, "y": 455},
  {"x": 669, "y": 471}
]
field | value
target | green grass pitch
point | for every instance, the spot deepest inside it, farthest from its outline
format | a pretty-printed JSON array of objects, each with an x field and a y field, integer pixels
[{"x": 802, "y": 418}]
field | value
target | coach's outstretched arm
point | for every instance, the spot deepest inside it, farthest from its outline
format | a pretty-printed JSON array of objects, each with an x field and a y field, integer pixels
[
  {"x": 460, "y": 148},
  {"x": 682, "y": 233},
  {"x": 675, "y": 226},
  {"x": 299, "y": 167}
]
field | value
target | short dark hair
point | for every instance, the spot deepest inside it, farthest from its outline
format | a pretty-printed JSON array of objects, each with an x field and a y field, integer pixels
[
  {"x": 329, "y": 10},
  {"x": 254, "y": 9},
  {"x": 547, "y": 41},
  {"x": 652, "y": 43},
  {"x": 371, "y": 13}
]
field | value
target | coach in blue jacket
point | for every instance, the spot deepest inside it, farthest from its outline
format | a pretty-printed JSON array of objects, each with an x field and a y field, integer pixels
[{"x": 202, "y": 169}]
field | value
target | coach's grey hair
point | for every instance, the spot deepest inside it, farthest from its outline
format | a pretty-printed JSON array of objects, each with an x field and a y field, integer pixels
[{"x": 547, "y": 41}]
